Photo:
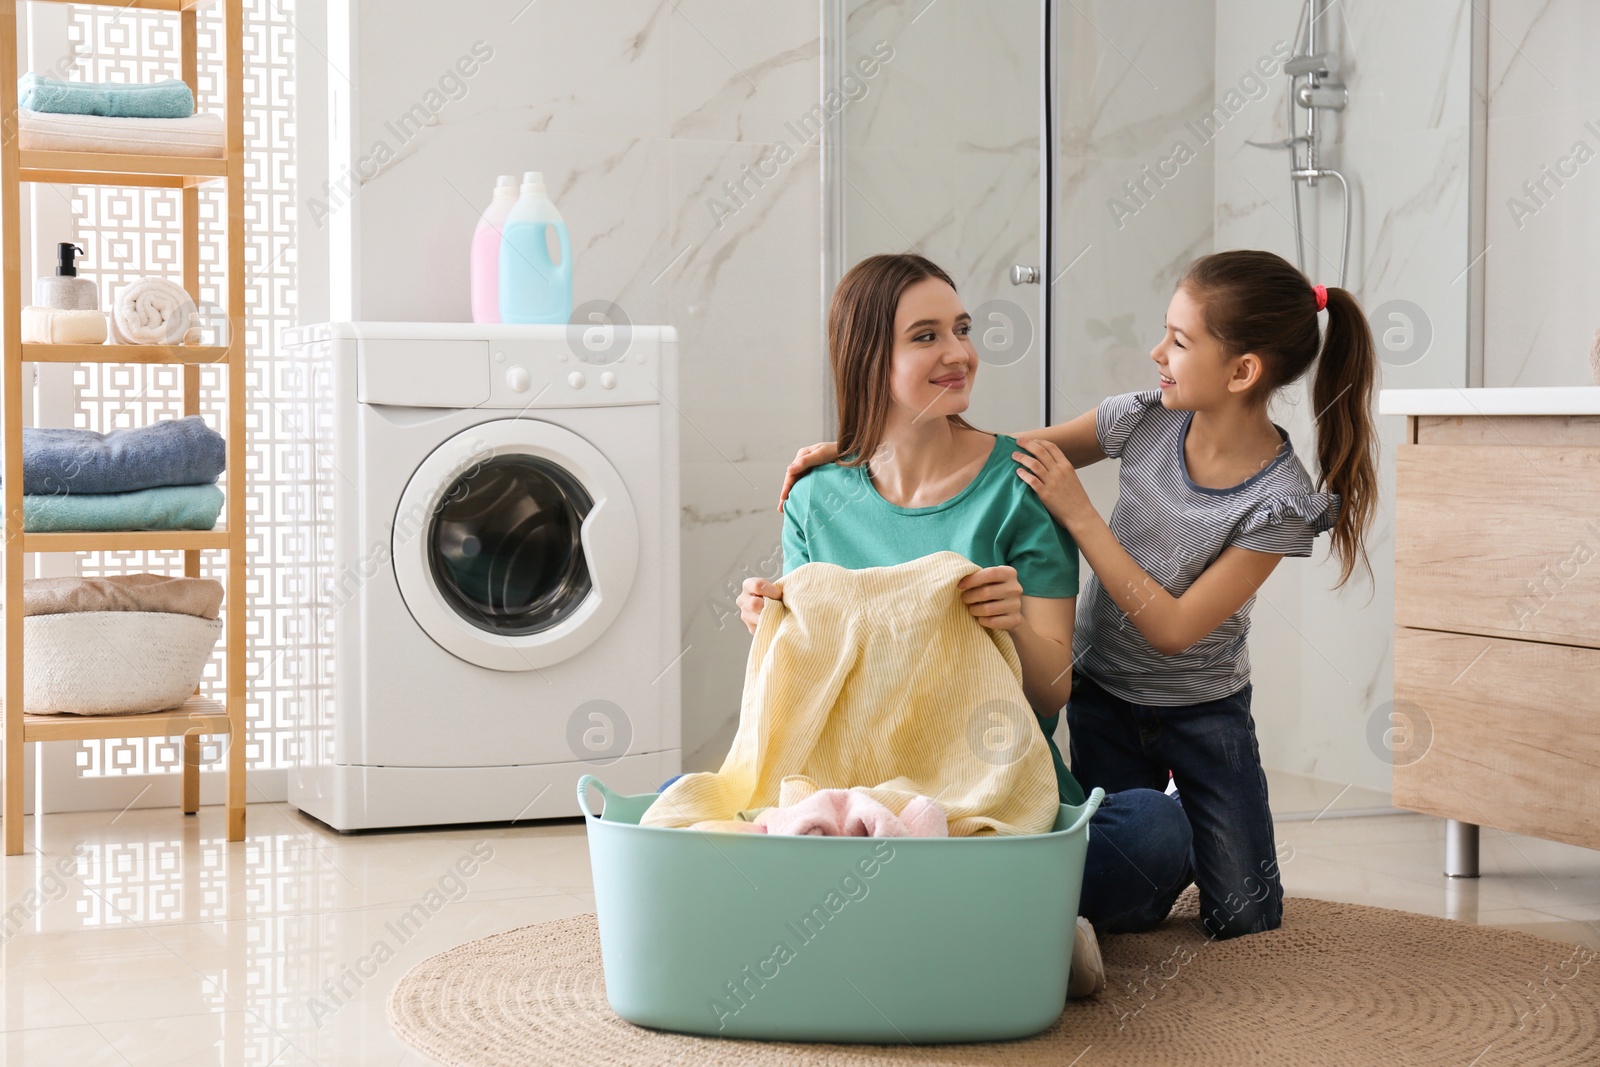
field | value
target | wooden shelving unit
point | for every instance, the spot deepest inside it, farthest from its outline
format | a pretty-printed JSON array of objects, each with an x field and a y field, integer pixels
[
  {"x": 197, "y": 354},
  {"x": 98, "y": 168},
  {"x": 197, "y": 717}
]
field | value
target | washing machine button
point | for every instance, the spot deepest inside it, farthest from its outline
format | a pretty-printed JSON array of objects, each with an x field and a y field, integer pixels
[
  {"x": 519, "y": 379},
  {"x": 576, "y": 379},
  {"x": 608, "y": 380}
]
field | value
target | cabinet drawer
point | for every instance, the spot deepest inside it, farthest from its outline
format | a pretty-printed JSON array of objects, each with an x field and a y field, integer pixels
[
  {"x": 1500, "y": 733},
  {"x": 1500, "y": 540},
  {"x": 1507, "y": 429}
]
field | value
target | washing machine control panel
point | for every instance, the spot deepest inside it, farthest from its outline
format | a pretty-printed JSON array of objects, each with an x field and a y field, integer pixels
[
  {"x": 593, "y": 367},
  {"x": 604, "y": 372}
]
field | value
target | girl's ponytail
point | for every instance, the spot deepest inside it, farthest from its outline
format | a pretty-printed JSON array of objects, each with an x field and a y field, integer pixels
[
  {"x": 1341, "y": 394},
  {"x": 1257, "y": 302}
]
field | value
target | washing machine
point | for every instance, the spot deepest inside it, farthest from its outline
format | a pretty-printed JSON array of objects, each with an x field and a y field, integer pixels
[{"x": 498, "y": 584}]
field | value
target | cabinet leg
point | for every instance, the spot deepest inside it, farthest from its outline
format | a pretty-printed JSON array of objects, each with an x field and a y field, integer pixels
[{"x": 1460, "y": 849}]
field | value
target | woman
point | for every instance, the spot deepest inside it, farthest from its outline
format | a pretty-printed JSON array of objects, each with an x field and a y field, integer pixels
[{"x": 904, "y": 369}]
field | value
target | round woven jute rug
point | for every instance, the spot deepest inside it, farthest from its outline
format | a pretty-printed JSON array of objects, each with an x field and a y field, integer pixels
[{"x": 1336, "y": 984}]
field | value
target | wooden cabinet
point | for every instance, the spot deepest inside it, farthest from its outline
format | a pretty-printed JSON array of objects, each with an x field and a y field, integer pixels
[{"x": 1497, "y": 612}]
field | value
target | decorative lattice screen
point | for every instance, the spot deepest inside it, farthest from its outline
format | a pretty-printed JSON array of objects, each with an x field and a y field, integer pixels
[{"x": 134, "y": 232}]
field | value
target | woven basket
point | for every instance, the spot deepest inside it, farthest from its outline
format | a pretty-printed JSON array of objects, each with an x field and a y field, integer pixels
[{"x": 113, "y": 662}]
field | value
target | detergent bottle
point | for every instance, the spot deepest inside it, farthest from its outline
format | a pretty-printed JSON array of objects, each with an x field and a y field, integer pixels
[
  {"x": 485, "y": 265},
  {"x": 533, "y": 287}
]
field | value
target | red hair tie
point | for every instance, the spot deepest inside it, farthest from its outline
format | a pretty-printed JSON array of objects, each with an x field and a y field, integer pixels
[{"x": 1322, "y": 296}]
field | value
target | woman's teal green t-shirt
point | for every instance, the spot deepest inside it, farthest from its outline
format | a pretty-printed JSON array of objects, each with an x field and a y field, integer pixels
[{"x": 836, "y": 515}]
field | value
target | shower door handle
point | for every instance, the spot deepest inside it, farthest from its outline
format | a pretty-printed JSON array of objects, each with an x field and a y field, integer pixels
[{"x": 1021, "y": 275}]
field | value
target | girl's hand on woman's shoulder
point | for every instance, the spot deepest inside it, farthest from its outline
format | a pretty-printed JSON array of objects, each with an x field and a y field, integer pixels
[
  {"x": 810, "y": 456},
  {"x": 1053, "y": 478},
  {"x": 993, "y": 596}
]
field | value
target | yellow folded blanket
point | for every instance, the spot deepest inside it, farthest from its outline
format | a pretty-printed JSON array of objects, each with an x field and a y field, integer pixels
[{"x": 880, "y": 678}]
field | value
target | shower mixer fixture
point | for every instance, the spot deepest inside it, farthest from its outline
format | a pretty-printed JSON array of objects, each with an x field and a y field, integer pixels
[{"x": 1312, "y": 88}]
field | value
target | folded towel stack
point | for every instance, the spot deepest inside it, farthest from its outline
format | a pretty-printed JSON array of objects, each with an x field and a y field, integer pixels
[
  {"x": 200, "y": 597},
  {"x": 166, "y": 99},
  {"x": 157, "y": 119},
  {"x": 196, "y": 137},
  {"x": 156, "y": 477}
]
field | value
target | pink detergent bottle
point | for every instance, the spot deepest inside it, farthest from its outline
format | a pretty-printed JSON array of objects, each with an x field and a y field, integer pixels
[{"x": 485, "y": 266}]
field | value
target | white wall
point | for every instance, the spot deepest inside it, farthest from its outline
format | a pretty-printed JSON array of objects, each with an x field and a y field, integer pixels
[
  {"x": 637, "y": 112},
  {"x": 1322, "y": 660}
]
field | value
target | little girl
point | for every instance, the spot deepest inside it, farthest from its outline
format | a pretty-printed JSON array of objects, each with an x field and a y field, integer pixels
[{"x": 1210, "y": 497}]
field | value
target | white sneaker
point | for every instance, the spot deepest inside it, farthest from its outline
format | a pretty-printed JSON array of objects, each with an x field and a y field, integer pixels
[{"x": 1088, "y": 974}]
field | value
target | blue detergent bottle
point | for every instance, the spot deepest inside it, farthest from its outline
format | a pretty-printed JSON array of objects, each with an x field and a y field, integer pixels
[{"x": 533, "y": 287}]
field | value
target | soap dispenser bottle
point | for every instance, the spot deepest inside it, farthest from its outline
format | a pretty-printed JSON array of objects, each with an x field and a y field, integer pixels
[
  {"x": 66, "y": 290},
  {"x": 533, "y": 287},
  {"x": 485, "y": 264}
]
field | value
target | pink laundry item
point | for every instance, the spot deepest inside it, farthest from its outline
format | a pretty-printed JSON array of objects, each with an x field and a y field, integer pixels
[{"x": 847, "y": 813}]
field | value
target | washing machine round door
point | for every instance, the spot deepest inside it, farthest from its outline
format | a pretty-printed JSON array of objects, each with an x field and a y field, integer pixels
[{"x": 515, "y": 544}]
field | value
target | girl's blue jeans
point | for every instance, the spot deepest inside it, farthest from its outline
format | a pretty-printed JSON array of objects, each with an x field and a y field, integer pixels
[{"x": 1211, "y": 750}]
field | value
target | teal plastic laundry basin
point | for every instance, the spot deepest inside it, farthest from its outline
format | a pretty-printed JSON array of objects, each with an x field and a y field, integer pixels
[{"x": 883, "y": 940}]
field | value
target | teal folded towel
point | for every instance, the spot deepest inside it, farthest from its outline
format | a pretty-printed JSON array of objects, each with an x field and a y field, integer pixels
[
  {"x": 176, "y": 507},
  {"x": 168, "y": 99}
]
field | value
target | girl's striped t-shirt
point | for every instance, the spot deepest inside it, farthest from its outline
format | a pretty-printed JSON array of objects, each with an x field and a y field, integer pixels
[{"x": 1175, "y": 529}]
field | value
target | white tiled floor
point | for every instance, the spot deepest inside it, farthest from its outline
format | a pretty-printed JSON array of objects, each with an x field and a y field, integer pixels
[{"x": 163, "y": 945}]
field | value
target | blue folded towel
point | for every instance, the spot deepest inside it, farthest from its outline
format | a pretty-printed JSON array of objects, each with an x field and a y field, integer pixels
[
  {"x": 168, "y": 452},
  {"x": 178, "y": 507},
  {"x": 168, "y": 99}
]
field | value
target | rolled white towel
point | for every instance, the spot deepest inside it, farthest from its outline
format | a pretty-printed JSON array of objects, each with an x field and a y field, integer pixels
[{"x": 151, "y": 311}]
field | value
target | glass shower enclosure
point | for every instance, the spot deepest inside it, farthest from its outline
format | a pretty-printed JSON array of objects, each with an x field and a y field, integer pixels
[{"x": 935, "y": 148}]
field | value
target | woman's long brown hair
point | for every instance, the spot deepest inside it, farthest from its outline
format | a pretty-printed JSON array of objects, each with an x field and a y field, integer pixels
[
  {"x": 861, "y": 347},
  {"x": 1256, "y": 302}
]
